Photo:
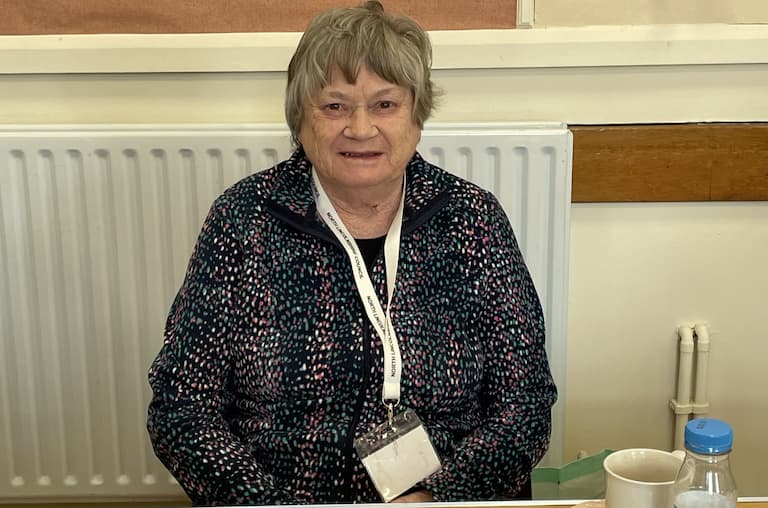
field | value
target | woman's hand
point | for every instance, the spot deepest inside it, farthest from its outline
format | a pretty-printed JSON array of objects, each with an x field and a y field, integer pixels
[{"x": 420, "y": 496}]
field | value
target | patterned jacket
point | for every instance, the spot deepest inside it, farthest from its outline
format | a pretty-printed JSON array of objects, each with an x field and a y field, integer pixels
[{"x": 270, "y": 368}]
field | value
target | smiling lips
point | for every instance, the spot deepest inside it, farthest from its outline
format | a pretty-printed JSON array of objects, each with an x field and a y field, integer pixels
[{"x": 360, "y": 155}]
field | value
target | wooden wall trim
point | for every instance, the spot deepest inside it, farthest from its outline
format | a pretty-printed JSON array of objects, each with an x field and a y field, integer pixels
[{"x": 670, "y": 162}]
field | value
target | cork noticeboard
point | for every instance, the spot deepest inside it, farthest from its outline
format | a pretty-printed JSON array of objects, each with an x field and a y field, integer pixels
[{"x": 33, "y": 17}]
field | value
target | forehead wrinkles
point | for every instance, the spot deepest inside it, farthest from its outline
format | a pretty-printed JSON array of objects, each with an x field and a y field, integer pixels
[{"x": 390, "y": 91}]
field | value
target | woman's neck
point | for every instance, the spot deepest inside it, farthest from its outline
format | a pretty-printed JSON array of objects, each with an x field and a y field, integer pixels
[{"x": 365, "y": 214}]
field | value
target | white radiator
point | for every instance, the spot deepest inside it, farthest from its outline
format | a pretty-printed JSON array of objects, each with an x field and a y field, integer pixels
[{"x": 96, "y": 226}]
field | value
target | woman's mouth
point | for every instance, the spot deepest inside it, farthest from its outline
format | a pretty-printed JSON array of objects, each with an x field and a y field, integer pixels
[{"x": 360, "y": 155}]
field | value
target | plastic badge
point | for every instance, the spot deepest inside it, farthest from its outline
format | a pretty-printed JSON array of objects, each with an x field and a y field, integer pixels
[{"x": 397, "y": 455}]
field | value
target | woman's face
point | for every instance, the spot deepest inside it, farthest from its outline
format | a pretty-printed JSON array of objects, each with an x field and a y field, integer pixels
[{"x": 359, "y": 136}]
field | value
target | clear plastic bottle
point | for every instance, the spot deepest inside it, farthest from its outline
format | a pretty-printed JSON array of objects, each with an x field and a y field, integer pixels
[{"x": 705, "y": 479}]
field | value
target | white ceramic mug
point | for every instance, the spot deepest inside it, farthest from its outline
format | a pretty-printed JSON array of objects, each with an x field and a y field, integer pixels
[{"x": 641, "y": 478}]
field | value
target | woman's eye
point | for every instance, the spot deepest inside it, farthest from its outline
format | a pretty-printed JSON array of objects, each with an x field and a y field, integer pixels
[
  {"x": 334, "y": 109},
  {"x": 385, "y": 106}
]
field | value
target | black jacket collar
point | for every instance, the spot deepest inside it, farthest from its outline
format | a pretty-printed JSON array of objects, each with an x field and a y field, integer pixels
[{"x": 292, "y": 201}]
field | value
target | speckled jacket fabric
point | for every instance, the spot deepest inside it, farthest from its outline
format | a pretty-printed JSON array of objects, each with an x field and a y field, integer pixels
[{"x": 270, "y": 368}]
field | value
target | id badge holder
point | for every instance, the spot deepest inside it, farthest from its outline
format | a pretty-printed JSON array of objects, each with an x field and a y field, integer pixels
[{"x": 397, "y": 454}]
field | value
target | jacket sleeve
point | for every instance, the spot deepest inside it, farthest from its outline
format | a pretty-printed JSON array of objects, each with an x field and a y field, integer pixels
[
  {"x": 186, "y": 420},
  {"x": 518, "y": 391}
]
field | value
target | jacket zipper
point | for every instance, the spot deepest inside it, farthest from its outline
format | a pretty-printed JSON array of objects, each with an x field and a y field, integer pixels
[
  {"x": 299, "y": 222},
  {"x": 349, "y": 448}
]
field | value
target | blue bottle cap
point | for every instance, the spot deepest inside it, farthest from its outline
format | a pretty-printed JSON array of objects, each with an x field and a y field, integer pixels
[{"x": 708, "y": 436}]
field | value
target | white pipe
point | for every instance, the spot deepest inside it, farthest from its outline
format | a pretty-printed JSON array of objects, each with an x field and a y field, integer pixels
[
  {"x": 700, "y": 402},
  {"x": 682, "y": 404}
]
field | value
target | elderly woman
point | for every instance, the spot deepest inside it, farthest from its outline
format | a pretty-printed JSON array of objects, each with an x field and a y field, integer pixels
[{"x": 348, "y": 286}]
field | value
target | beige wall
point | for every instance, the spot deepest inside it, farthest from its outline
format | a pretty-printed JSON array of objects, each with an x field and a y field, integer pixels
[
  {"x": 637, "y": 272},
  {"x": 642, "y": 12},
  {"x": 590, "y": 95}
]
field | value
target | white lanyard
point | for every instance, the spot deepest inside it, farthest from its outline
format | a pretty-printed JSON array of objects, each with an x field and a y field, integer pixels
[{"x": 380, "y": 319}]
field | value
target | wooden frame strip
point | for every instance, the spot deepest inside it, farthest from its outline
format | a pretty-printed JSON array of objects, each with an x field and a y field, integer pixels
[{"x": 670, "y": 162}]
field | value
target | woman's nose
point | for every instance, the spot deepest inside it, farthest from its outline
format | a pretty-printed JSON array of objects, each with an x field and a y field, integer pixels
[{"x": 360, "y": 124}]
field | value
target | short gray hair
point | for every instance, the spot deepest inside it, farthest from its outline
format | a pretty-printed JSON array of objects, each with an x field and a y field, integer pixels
[{"x": 396, "y": 48}]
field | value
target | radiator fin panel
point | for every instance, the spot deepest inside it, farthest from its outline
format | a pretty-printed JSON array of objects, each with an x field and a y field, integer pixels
[{"x": 96, "y": 228}]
